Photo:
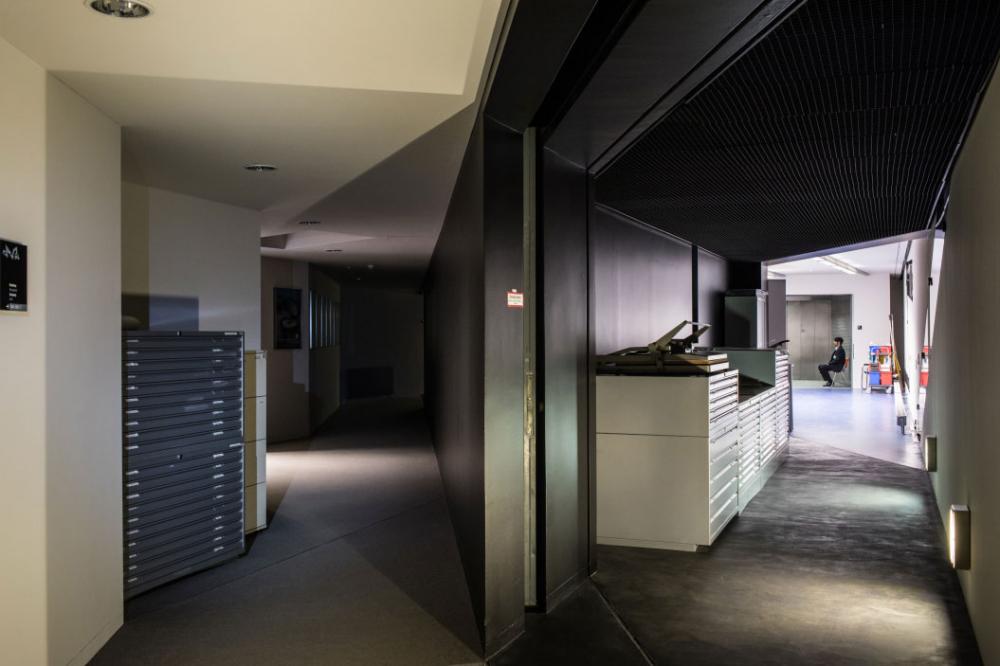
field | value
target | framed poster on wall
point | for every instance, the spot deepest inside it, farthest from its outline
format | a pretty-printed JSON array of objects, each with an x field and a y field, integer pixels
[{"x": 287, "y": 318}]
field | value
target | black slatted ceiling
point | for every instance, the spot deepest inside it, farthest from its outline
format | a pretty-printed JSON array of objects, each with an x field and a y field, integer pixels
[{"x": 837, "y": 128}]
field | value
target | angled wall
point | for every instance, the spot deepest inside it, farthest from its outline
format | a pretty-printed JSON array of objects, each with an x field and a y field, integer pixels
[
  {"x": 961, "y": 401},
  {"x": 454, "y": 348}
]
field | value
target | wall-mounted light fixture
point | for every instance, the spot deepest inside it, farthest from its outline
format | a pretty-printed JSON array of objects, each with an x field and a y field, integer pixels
[
  {"x": 960, "y": 536},
  {"x": 930, "y": 453}
]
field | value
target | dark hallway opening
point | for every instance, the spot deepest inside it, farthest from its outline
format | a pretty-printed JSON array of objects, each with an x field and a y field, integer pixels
[{"x": 359, "y": 563}]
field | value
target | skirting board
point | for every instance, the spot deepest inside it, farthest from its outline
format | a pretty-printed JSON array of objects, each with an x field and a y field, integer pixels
[{"x": 643, "y": 543}]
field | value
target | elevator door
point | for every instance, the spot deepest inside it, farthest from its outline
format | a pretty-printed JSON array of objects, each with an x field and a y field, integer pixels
[{"x": 810, "y": 332}]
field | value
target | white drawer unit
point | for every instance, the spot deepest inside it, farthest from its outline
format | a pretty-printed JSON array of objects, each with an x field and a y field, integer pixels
[
  {"x": 668, "y": 459},
  {"x": 255, "y": 439},
  {"x": 764, "y": 413}
]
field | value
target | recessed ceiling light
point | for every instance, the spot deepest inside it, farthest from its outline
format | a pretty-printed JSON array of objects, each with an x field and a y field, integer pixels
[
  {"x": 309, "y": 223},
  {"x": 120, "y": 8},
  {"x": 260, "y": 168}
]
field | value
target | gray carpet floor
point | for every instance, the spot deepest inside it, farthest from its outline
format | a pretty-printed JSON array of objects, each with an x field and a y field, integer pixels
[
  {"x": 359, "y": 564},
  {"x": 838, "y": 560}
]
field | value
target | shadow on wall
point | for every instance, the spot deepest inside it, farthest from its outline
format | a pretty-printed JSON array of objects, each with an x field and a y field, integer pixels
[{"x": 161, "y": 313}]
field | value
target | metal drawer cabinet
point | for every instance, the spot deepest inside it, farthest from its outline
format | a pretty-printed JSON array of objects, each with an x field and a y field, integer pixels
[{"x": 182, "y": 448}]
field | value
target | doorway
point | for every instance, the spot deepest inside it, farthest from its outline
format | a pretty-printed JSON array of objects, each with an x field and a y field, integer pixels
[{"x": 813, "y": 322}]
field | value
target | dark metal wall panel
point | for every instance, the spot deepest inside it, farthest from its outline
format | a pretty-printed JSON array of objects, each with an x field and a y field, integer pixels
[
  {"x": 777, "y": 328},
  {"x": 455, "y": 373},
  {"x": 642, "y": 283},
  {"x": 712, "y": 281},
  {"x": 540, "y": 37},
  {"x": 563, "y": 361},
  {"x": 838, "y": 127},
  {"x": 663, "y": 43},
  {"x": 504, "y": 386}
]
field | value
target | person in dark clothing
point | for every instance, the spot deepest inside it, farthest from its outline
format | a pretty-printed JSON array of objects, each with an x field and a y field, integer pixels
[{"x": 837, "y": 361}]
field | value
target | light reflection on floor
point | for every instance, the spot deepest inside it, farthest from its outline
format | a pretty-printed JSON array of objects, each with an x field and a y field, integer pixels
[{"x": 853, "y": 420}]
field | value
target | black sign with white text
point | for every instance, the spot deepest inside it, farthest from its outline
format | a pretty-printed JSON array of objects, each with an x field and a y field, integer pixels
[{"x": 13, "y": 276}]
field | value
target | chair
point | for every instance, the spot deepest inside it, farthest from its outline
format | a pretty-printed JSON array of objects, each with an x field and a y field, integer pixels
[{"x": 835, "y": 375}]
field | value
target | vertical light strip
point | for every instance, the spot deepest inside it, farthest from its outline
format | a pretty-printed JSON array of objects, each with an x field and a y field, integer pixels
[
  {"x": 930, "y": 453},
  {"x": 960, "y": 536}
]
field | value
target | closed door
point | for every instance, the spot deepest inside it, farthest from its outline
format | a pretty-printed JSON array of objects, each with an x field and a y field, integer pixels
[{"x": 810, "y": 331}]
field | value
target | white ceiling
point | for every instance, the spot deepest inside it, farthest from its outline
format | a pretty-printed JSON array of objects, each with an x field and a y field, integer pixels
[
  {"x": 358, "y": 102},
  {"x": 886, "y": 258}
]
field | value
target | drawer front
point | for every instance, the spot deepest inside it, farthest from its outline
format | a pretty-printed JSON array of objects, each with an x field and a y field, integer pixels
[
  {"x": 140, "y": 552},
  {"x": 720, "y": 518},
  {"x": 203, "y": 486},
  {"x": 170, "y": 460},
  {"x": 723, "y": 474},
  {"x": 720, "y": 445},
  {"x": 141, "y": 582},
  {"x": 207, "y": 518},
  {"x": 151, "y": 427},
  {"x": 191, "y": 409},
  {"x": 136, "y": 448}
]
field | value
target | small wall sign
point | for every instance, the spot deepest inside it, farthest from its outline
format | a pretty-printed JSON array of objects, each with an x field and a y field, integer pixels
[
  {"x": 515, "y": 299},
  {"x": 13, "y": 276}
]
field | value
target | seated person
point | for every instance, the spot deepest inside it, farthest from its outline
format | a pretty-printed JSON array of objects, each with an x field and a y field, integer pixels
[{"x": 837, "y": 361}]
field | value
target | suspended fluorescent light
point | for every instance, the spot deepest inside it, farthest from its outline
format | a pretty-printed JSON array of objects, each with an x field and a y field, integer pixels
[{"x": 841, "y": 265}]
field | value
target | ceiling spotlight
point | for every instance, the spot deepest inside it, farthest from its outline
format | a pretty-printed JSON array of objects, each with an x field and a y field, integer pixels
[
  {"x": 260, "y": 168},
  {"x": 120, "y": 8}
]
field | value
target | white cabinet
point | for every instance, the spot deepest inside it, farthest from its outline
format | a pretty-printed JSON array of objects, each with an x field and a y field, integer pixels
[
  {"x": 679, "y": 457},
  {"x": 255, "y": 440},
  {"x": 667, "y": 459}
]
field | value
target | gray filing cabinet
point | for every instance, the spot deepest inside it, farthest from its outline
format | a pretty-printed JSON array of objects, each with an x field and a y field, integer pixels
[{"x": 183, "y": 453}]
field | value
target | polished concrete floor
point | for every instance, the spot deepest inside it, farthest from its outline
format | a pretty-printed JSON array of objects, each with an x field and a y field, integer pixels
[
  {"x": 856, "y": 421},
  {"x": 359, "y": 564},
  {"x": 838, "y": 560}
]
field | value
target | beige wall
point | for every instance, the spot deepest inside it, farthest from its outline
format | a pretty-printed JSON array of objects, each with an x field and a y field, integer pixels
[
  {"x": 962, "y": 399},
  {"x": 60, "y": 478},
  {"x": 191, "y": 255},
  {"x": 23, "y": 624},
  {"x": 287, "y": 369}
]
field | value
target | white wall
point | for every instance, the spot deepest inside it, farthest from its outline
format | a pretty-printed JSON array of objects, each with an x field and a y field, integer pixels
[
  {"x": 200, "y": 254},
  {"x": 287, "y": 369},
  {"x": 60, "y": 388},
  {"x": 962, "y": 396},
  {"x": 869, "y": 307},
  {"x": 23, "y": 622}
]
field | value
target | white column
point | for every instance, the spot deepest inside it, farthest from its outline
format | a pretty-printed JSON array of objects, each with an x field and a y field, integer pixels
[{"x": 921, "y": 252}]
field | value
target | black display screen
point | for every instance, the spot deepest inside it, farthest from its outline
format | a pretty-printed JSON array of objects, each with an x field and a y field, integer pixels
[{"x": 13, "y": 276}]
